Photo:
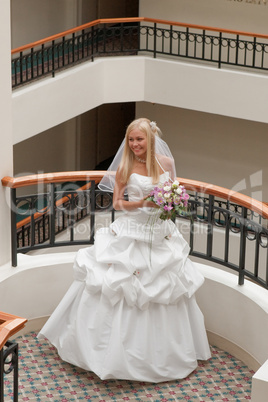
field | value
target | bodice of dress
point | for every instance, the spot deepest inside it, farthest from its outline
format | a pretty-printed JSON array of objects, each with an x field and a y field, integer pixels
[
  {"x": 142, "y": 223},
  {"x": 140, "y": 186}
]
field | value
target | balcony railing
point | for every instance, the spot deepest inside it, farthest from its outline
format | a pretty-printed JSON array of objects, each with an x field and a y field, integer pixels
[
  {"x": 9, "y": 325},
  {"x": 222, "y": 226},
  {"x": 131, "y": 36}
]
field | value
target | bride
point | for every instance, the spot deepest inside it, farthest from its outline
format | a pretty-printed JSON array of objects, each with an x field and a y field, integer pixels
[{"x": 131, "y": 311}]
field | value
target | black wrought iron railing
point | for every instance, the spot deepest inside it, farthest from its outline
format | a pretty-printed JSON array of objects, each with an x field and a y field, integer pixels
[
  {"x": 9, "y": 358},
  {"x": 133, "y": 36},
  {"x": 72, "y": 204},
  {"x": 223, "y": 227}
]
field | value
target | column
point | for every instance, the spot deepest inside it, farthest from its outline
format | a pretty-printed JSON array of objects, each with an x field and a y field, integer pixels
[{"x": 6, "y": 153}]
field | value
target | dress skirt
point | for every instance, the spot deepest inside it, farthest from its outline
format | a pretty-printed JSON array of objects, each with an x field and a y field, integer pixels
[{"x": 131, "y": 311}]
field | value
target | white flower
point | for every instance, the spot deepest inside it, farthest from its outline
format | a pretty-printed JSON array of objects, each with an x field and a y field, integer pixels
[
  {"x": 159, "y": 195},
  {"x": 167, "y": 188},
  {"x": 153, "y": 125},
  {"x": 176, "y": 183},
  {"x": 166, "y": 195},
  {"x": 178, "y": 190}
]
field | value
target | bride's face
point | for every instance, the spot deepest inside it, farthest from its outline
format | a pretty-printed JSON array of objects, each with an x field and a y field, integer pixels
[{"x": 137, "y": 142}]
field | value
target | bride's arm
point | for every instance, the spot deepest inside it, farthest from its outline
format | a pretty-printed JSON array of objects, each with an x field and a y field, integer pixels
[{"x": 119, "y": 203}]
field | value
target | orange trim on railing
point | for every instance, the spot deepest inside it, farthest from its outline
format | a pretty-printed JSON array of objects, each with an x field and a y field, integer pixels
[
  {"x": 9, "y": 325},
  {"x": 58, "y": 177},
  {"x": 138, "y": 19},
  {"x": 233, "y": 196},
  {"x": 194, "y": 185}
]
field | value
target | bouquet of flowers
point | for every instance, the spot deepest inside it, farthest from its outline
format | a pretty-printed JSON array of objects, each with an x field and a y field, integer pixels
[{"x": 170, "y": 197}]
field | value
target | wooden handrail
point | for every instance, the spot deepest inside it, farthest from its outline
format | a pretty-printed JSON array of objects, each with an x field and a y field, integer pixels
[
  {"x": 137, "y": 19},
  {"x": 202, "y": 187},
  {"x": 58, "y": 177},
  {"x": 9, "y": 325}
]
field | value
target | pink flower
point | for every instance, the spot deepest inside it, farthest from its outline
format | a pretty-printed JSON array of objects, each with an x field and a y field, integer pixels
[
  {"x": 159, "y": 201},
  {"x": 168, "y": 207}
]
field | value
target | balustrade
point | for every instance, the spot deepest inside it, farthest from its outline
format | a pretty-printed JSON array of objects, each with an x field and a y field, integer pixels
[
  {"x": 223, "y": 227},
  {"x": 132, "y": 36}
]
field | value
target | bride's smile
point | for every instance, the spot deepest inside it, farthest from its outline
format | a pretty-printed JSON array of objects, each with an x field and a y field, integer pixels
[{"x": 137, "y": 142}]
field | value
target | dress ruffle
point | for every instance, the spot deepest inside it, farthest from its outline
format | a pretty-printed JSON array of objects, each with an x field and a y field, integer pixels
[{"x": 123, "y": 264}]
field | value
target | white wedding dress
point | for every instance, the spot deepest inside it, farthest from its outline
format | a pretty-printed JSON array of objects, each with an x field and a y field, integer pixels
[{"x": 131, "y": 311}]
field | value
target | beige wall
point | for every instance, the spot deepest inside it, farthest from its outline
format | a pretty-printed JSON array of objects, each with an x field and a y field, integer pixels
[
  {"x": 32, "y": 20},
  {"x": 230, "y": 14},
  {"x": 50, "y": 151},
  {"x": 80, "y": 143},
  {"x": 221, "y": 150},
  {"x": 87, "y": 11}
]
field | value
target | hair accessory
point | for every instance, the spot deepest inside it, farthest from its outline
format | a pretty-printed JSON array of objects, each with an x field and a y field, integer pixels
[{"x": 153, "y": 125}]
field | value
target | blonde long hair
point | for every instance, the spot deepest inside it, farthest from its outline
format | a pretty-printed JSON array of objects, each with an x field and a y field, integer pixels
[{"x": 151, "y": 130}]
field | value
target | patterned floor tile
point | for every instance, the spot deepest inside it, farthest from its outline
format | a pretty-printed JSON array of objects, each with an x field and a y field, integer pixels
[{"x": 44, "y": 377}]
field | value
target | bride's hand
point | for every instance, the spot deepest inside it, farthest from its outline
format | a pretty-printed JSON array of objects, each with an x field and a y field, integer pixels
[{"x": 149, "y": 204}]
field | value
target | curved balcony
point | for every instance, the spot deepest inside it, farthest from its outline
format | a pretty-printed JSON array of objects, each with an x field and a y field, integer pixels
[
  {"x": 131, "y": 36},
  {"x": 232, "y": 217},
  {"x": 227, "y": 232}
]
